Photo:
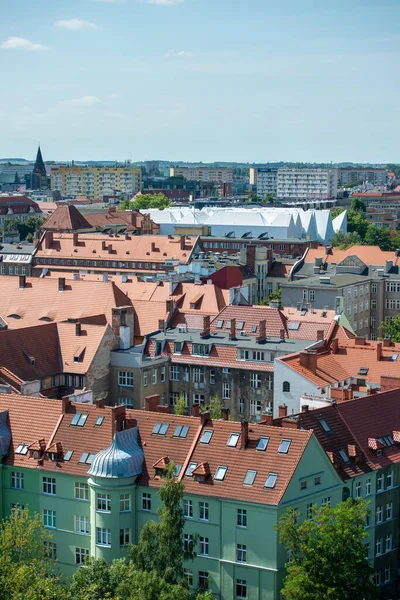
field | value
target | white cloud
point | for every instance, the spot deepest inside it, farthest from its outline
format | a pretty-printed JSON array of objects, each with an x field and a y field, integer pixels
[
  {"x": 164, "y": 2},
  {"x": 18, "y": 43},
  {"x": 85, "y": 101},
  {"x": 180, "y": 54},
  {"x": 75, "y": 24}
]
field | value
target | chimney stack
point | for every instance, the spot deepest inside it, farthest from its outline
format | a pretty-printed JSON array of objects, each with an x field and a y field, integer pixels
[
  {"x": 206, "y": 327},
  {"x": 334, "y": 346},
  {"x": 251, "y": 257},
  {"x": 183, "y": 242},
  {"x": 320, "y": 335},
  {"x": 109, "y": 249},
  {"x": 262, "y": 331},
  {"x": 61, "y": 284},
  {"x": 309, "y": 360},
  {"x": 161, "y": 324},
  {"x": 195, "y": 410},
  {"x": 387, "y": 342},
  {"x": 378, "y": 351},
  {"x": 151, "y": 402},
  {"x": 77, "y": 329},
  {"x": 282, "y": 335},
  {"x": 225, "y": 414},
  {"x": 244, "y": 438},
  {"x": 282, "y": 411},
  {"x": 153, "y": 246},
  {"x": 232, "y": 332},
  {"x": 103, "y": 244},
  {"x": 134, "y": 218},
  {"x": 48, "y": 240},
  {"x": 204, "y": 417},
  {"x": 75, "y": 238},
  {"x": 22, "y": 282},
  {"x": 65, "y": 404}
]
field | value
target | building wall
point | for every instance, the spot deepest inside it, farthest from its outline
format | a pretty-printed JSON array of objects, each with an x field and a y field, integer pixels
[
  {"x": 299, "y": 386},
  {"x": 307, "y": 183},
  {"x": 95, "y": 182}
]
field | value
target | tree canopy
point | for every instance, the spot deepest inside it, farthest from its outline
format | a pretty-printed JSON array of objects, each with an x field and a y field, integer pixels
[
  {"x": 146, "y": 201},
  {"x": 391, "y": 328},
  {"x": 327, "y": 554}
]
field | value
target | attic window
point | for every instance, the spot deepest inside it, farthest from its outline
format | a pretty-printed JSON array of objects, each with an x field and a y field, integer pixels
[
  {"x": 363, "y": 371},
  {"x": 220, "y": 324},
  {"x": 254, "y": 329},
  {"x": 177, "y": 470},
  {"x": 386, "y": 440},
  {"x": 249, "y": 477},
  {"x": 99, "y": 421},
  {"x": 206, "y": 437},
  {"x": 324, "y": 425},
  {"x": 394, "y": 357},
  {"x": 228, "y": 324},
  {"x": 284, "y": 446},
  {"x": 78, "y": 356},
  {"x": 344, "y": 456},
  {"x": 190, "y": 469},
  {"x": 67, "y": 455},
  {"x": 79, "y": 419},
  {"x": 239, "y": 325},
  {"x": 220, "y": 474},
  {"x": 47, "y": 319},
  {"x": 233, "y": 440},
  {"x": 181, "y": 431},
  {"x": 262, "y": 443},
  {"x": 22, "y": 449},
  {"x": 84, "y": 456},
  {"x": 271, "y": 480},
  {"x": 294, "y": 325},
  {"x": 160, "y": 428},
  {"x": 13, "y": 316}
]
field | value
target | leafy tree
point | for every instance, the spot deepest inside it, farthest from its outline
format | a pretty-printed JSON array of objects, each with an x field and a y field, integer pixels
[
  {"x": 145, "y": 585},
  {"x": 391, "y": 329},
  {"x": 30, "y": 226},
  {"x": 276, "y": 295},
  {"x": 160, "y": 547},
  {"x": 215, "y": 407},
  {"x": 268, "y": 199},
  {"x": 252, "y": 197},
  {"x": 146, "y": 201},
  {"x": 335, "y": 212},
  {"x": 394, "y": 168},
  {"x": 343, "y": 240},
  {"x": 26, "y": 571},
  {"x": 180, "y": 406},
  {"x": 97, "y": 579},
  {"x": 328, "y": 554},
  {"x": 378, "y": 236},
  {"x": 357, "y": 205}
]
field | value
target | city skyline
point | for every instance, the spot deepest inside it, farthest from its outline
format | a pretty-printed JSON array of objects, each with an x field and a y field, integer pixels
[{"x": 98, "y": 80}]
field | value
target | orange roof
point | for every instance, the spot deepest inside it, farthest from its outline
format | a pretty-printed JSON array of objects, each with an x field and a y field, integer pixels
[
  {"x": 40, "y": 301},
  {"x": 369, "y": 255},
  {"x": 66, "y": 218},
  {"x": 251, "y": 317},
  {"x": 139, "y": 248},
  {"x": 350, "y": 357}
]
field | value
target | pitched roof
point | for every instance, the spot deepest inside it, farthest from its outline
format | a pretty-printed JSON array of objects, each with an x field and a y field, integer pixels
[
  {"x": 40, "y": 301},
  {"x": 66, "y": 218},
  {"x": 251, "y": 317},
  {"x": 369, "y": 255}
]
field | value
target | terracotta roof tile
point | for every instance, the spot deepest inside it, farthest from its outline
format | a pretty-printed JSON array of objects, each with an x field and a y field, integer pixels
[
  {"x": 369, "y": 255},
  {"x": 66, "y": 218}
]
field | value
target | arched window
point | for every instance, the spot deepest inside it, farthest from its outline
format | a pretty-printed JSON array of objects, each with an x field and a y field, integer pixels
[{"x": 286, "y": 386}]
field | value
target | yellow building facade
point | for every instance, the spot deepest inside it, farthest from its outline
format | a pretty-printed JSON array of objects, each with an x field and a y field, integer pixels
[{"x": 95, "y": 182}]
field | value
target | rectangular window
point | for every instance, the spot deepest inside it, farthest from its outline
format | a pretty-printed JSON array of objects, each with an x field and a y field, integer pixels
[
  {"x": 203, "y": 580},
  {"x": 358, "y": 489},
  {"x": 154, "y": 376},
  {"x": 174, "y": 373},
  {"x": 326, "y": 501},
  {"x": 241, "y": 517},
  {"x": 146, "y": 501},
  {"x": 188, "y": 574},
  {"x": 187, "y": 542},
  {"x": 241, "y": 405},
  {"x": 198, "y": 375},
  {"x": 81, "y": 555},
  {"x": 81, "y": 491},
  {"x": 241, "y": 589},
  {"x": 81, "y": 524},
  {"x": 17, "y": 480},
  {"x": 388, "y": 542},
  {"x": 378, "y": 546},
  {"x": 103, "y": 502},
  {"x": 212, "y": 377},
  {"x": 145, "y": 378},
  {"x": 203, "y": 511},
  {"x": 309, "y": 511},
  {"x": 389, "y": 511},
  {"x": 49, "y": 486},
  {"x": 311, "y": 295},
  {"x": 387, "y": 574},
  {"x": 188, "y": 509},
  {"x": 368, "y": 487},
  {"x": 226, "y": 393},
  {"x": 124, "y": 536},
  {"x": 379, "y": 514},
  {"x": 125, "y": 379},
  {"x": 51, "y": 550},
  {"x": 49, "y": 518},
  {"x": 379, "y": 482},
  {"x": 374, "y": 287},
  {"x": 162, "y": 374},
  {"x": 389, "y": 479},
  {"x": 203, "y": 545},
  {"x": 103, "y": 536},
  {"x": 124, "y": 503},
  {"x": 241, "y": 553},
  {"x": 255, "y": 380}
]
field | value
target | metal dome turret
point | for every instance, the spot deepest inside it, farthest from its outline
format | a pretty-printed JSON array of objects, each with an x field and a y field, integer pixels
[
  {"x": 123, "y": 458},
  {"x": 5, "y": 434}
]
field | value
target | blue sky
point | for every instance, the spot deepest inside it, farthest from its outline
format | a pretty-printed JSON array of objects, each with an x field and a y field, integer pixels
[{"x": 234, "y": 80}]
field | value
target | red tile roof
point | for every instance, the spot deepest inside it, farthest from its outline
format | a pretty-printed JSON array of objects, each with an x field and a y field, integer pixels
[
  {"x": 369, "y": 255},
  {"x": 66, "y": 218}
]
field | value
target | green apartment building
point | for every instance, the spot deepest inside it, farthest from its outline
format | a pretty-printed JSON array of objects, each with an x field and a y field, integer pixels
[{"x": 93, "y": 474}]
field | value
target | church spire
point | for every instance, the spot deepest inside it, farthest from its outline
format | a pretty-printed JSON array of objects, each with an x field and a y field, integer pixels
[
  {"x": 39, "y": 168},
  {"x": 39, "y": 175}
]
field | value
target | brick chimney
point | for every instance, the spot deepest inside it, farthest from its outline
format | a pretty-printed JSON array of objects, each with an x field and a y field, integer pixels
[
  {"x": 75, "y": 238},
  {"x": 282, "y": 411},
  {"x": 195, "y": 410},
  {"x": 267, "y": 419},
  {"x": 305, "y": 408},
  {"x": 204, "y": 417},
  {"x": 153, "y": 246},
  {"x": 109, "y": 249},
  {"x": 262, "y": 331},
  {"x": 334, "y": 346},
  {"x": 103, "y": 245},
  {"x": 183, "y": 242},
  {"x": 225, "y": 414},
  {"x": 78, "y": 329},
  {"x": 134, "y": 218},
  {"x": 61, "y": 284},
  {"x": 320, "y": 335},
  {"x": 65, "y": 404},
  {"x": 251, "y": 257},
  {"x": 282, "y": 335},
  {"x": 389, "y": 382},
  {"x": 48, "y": 240},
  {"x": 309, "y": 360},
  {"x": 289, "y": 423},
  {"x": 22, "y": 282},
  {"x": 387, "y": 342},
  {"x": 244, "y": 437},
  {"x": 151, "y": 402},
  {"x": 206, "y": 327},
  {"x": 161, "y": 324},
  {"x": 232, "y": 332},
  {"x": 378, "y": 351},
  {"x": 118, "y": 414},
  {"x": 359, "y": 341}
]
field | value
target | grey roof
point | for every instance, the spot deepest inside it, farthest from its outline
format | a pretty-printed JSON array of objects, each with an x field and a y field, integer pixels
[
  {"x": 5, "y": 434},
  {"x": 123, "y": 458},
  {"x": 335, "y": 280},
  {"x": 16, "y": 248}
]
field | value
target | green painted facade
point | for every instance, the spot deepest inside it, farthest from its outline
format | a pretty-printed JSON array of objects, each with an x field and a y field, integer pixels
[{"x": 111, "y": 508}]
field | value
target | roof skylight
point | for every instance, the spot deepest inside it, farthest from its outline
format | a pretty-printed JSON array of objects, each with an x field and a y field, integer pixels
[
  {"x": 233, "y": 440},
  {"x": 220, "y": 324},
  {"x": 220, "y": 474},
  {"x": 324, "y": 425},
  {"x": 190, "y": 469},
  {"x": 160, "y": 428},
  {"x": 271, "y": 480},
  {"x": 99, "y": 421},
  {"x": 363, "y": 371},
  {"x": 68, "y": 454},
  {"x": 181, "y": 431},
  {"x": 206, "y": 437},
  {"x": 284, "y": 446},
  {"x": 262, "y": 443},
  {"x": 344, "y": 456},
  {"x": 249, "y": 477},
  {"x": 22, "y": 449}
]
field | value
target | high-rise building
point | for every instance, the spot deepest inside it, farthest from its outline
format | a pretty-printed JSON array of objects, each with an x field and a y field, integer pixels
[
  {"x": 203, "y": 174},
  {"x": 308, "y": 184},
  {"x": 39, "y": 175},
  {"x": 375, "y": 176},
  {"x": 265, "y": 179},
  {"x": 95, "y": 182}
]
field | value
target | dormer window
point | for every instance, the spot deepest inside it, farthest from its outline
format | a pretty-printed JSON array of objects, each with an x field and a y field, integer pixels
[{"x": 344, "y": 456}]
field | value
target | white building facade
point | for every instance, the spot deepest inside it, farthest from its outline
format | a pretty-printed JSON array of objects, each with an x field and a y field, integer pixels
[{"x": 307, "y": 184}]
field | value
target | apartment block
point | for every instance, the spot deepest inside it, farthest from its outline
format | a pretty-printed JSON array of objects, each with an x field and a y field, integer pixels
[
  {"x": 203, "y": 174},
  {"x": 307, "y": 183},
  {"x": 95, "y": 182},
  {"x": 266, "y": 180},
  {"x": 374, "y": 176}
]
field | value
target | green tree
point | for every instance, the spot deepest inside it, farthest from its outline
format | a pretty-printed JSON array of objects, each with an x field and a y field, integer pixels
[
  {"x": 148, "y": 585},
  {"x": 328, "y": 554},
  {"x": 180, "y": 406},
  {"x": 378, "y": 236},
  {"x": 145, "y": 201},
  {"x": 268, "y": 199},
  {"x": 391, "y": 329},
  {"x": 96, "y": 579},
  {"x": 160, "y": 547},
  {"x": 276, "y": 295},
  {"x": 343, "y": 240},
  {"x": 215, "y": 407},
  {"x": 357, "y": 205},
  {"x": 335, "y": 212},
  {"x": 26, "y": 570}
]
